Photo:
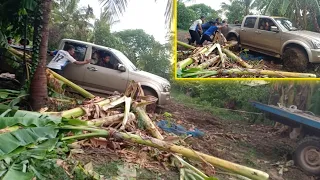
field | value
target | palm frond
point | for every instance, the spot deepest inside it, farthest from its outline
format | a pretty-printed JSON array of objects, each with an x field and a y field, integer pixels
[
  {"x": 113, "y": 8},
  {"x": 169, "y": 14}
]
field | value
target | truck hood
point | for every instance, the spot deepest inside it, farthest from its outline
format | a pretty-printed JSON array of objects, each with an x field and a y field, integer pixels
[
  {"x": 149, "y": 76},
  {"x": 306, "y": 34}
]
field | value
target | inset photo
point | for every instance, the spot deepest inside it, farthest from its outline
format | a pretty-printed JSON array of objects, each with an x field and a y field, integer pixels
[{"x": 234, "y": 41}]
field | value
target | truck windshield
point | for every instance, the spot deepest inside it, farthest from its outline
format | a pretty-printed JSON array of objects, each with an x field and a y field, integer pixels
[
  {"x": 286, "y": 24},
  {"x": 124, "y": 58}
]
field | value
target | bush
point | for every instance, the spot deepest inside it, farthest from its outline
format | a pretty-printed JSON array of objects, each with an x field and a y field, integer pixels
[{"x": 218, "y": 94}]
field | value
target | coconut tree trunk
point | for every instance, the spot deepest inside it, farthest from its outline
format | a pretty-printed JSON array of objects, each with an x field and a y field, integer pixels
[
  {"x": 38, "y": 88},
  {"x": 315, "y": 21},
  {"x": 305, "y": 20}
]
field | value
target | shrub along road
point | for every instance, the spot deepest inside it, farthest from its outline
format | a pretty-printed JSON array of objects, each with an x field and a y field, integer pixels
[{"x": 230, "y": 137}]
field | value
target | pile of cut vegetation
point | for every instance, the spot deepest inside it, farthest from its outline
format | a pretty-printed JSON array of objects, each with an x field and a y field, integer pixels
[
  {"x": 119, "y": 122},
  {"x": 217, "y": 61}
]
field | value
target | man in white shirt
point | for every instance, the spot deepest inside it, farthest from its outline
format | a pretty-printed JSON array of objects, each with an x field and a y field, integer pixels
[
  {"x": 62, "y": 58},
  {"x": 196, "y": 25}
]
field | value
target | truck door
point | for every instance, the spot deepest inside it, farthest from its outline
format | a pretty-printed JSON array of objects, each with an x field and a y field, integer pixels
[
  {"x": 247, "y": 31},
  {"x": 103, "y": 80},
  {"x": 74, "y": 72},
  {"x": 267, "y": 39}
]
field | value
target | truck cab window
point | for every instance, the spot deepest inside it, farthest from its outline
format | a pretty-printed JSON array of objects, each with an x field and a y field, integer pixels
[
  {"x": 250, "y": 22},
  {"x": 107, "y": 60},
  {"x": 79, "y": 51},
  {"x": 265, "y": 24},
  {"x": 95, "y": 56}
]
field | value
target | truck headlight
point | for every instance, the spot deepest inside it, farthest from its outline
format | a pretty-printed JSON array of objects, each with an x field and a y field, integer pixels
[
  {"x": 316, "y": 44},
  {"x": 166, "y": 87}
]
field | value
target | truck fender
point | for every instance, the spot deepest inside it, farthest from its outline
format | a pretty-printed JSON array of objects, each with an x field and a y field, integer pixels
[
  {"x": 299, "y": 43},
  {"x": 232, "y": 33},
  {"x": 151, "y": 86}
]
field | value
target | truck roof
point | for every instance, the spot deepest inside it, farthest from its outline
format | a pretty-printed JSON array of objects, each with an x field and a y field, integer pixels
[
  {"x": 87, "y": 43},
  {"x": 264, "y": 16}
]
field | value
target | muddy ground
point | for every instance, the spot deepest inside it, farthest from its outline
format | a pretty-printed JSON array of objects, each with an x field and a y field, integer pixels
[{"x": 257, "y": 146}]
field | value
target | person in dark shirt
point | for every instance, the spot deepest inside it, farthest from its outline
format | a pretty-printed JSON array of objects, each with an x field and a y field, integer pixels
[
  {"x": 211, "y": 31},
  {"x": 105, "y": 61},
  {"x": 218, "y": 20},
  {"x": 207, "y": 25},
  {"x": 10, "y": 42}
]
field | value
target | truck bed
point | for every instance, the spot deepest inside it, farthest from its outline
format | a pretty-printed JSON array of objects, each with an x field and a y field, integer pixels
[{"x": 284, "y": 115}]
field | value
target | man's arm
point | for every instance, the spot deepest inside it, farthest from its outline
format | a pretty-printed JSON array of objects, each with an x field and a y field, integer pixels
[
  {"x": 87, "y": 61},
  {"x": 220, "y": 27},
  {"x": 74, "y": 61},
  {"x": 199, "y": 25}
]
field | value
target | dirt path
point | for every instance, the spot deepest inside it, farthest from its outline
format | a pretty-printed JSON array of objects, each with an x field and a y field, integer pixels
[{"x": 256, "y": 146}]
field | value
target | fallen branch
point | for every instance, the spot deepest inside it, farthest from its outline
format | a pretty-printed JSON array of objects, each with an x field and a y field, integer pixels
[
  {"x": 162, "y": 145},
  {"x": 77, "y": 88},
  {"x": 76, "y": 112},
  {"x": 256, "y": 72},
  {"x": 185, "y": 45},
  {"x": 106, "y": 121},
  {"x": 128, "y": 102},
  {"x": 236, "y": 58},
  {"x": 148, "y": 122},
  {"x": 209, "y": 62},
  {"x": 183, "y": 64}
]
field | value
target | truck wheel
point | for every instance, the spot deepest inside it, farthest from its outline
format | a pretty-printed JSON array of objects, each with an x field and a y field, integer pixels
[
  {"x": 151, "y": 107},
  {"x": 307, "y": 155},
  {"x": 236, "y": 47},
  {"x": 295, "y": 59}
]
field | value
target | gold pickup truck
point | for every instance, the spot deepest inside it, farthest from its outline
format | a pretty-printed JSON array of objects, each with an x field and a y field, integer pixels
[
  {"x": 277, "y": 37},
  {"x": 102, "y": 80}
]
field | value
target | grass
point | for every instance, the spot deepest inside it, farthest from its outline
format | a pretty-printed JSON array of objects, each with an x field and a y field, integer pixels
[
  {"x": 197, "y": 104},
  {"x": 119, "y": 169},
  {"x": 109, "y": 169}
]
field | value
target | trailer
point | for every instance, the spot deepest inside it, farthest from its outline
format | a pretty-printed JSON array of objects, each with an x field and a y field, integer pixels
[{"x": 306, "y": 129}]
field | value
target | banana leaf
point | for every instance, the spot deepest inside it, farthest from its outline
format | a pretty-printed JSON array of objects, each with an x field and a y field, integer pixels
[
  {"x": 10, "y": 141},
  {"x": 15, "y": 171},
  {"x": 25, "y": 117}
]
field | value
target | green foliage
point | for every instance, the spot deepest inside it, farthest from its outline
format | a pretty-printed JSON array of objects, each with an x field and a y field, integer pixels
[
  {"x": 12, "y": 12},
  {"x": 219, "y": 93},
  {"x": 186, "y": 15},
  {"x": 11, "y": 97},
  {"x": 70, "y": 21},
  {"x": 102, "y": 35},
  {"x": 24, "y": 137},
  {"x": 204, "y": 10},
  {"x": 234, "y": 11},
  {"x": 315, "y": 100},
  {"x": 145, "y": 52}
]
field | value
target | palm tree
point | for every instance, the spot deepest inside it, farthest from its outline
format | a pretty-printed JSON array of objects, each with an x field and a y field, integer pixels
[
  {"x": 298, "y": 10},
  {"x": 38, "y": 87},
  {"x": 117, "y": 7}
]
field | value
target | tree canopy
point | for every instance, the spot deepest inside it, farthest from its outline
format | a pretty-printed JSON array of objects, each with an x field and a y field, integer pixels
[{"x": 188, "y": 14}]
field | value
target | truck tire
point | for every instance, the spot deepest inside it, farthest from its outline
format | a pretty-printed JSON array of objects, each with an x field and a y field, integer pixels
[
  {"x": 236, "y": 47},
  {"x": 295, "y": 59},
  {"x": 307, "y": 155},
  {"x": 151, "y": 107}
]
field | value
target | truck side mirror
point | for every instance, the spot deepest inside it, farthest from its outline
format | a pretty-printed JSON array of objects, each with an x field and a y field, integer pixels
[
  {"x": 274, "y": 29},
  {"x": 121, "y": 68}
]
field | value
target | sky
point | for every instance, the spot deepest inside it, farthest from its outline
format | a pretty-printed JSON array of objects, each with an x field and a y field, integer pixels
[
  {"x": 214, "y": 4},
  {"x": 140, "y": 14}
]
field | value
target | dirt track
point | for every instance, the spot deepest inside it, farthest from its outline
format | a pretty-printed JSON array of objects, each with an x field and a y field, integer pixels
[{"x": 256, "y": 146}]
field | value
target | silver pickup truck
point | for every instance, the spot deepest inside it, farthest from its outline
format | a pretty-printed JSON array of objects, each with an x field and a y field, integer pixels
[
  {"x": 102, "y": 80},
  {"x": 277, "y": 37}
]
